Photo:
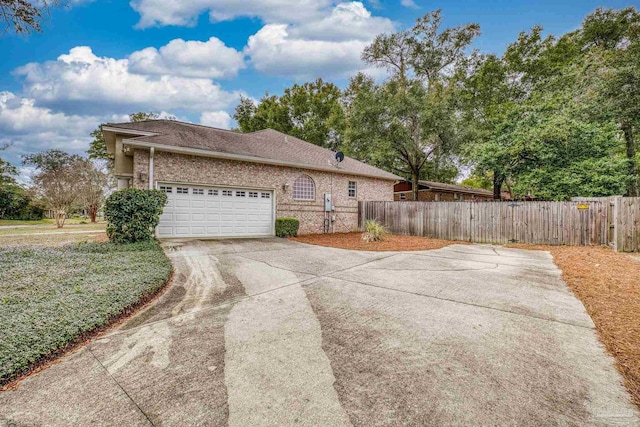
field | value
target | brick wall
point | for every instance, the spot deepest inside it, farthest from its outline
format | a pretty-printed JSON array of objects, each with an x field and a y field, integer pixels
[{"x": 174, "y": 167}]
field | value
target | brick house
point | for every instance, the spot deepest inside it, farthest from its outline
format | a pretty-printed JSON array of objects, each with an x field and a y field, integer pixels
[
  {"x": 222, "y": 183},
  {"x": 430, "y": 191}
]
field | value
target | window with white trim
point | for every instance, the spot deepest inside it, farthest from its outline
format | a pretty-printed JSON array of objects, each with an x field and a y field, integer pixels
[
  {"x": 240, "y": 194},
  {"x": 166, "y": 189},
  {"x": 352, "y": 189},
  {"x": 266, "y": 195},
  {"x": 304, "y": 188},
  {"x": 227, "y": 193},
  {"x": 213, "y": 192},
  {"x": 253, "y": 194},
  {"x": 198, "y": 191},
  {"x": 182, "y": 190}
]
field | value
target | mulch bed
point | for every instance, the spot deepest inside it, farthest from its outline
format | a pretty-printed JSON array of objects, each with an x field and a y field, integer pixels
[
  {"x": 392, "y": 242},
  {"x": 608, "y": 284}
]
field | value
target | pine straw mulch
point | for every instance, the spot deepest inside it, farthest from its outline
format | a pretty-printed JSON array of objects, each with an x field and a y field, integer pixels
[
  {"x": 608, "y": 284},
  {"x": 391, "y": 242}
]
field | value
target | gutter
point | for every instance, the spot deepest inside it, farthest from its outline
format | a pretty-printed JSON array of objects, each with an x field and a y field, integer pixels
[{"x": 244, "y": 158}]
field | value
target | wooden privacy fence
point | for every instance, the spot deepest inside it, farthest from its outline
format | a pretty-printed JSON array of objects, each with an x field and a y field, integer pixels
[{"x": 606, "y": 221}]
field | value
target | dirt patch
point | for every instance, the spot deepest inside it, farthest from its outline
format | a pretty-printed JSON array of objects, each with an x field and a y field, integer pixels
[
  {"x": 392, "y": 242},
  {"x": 608, "y": 284}
]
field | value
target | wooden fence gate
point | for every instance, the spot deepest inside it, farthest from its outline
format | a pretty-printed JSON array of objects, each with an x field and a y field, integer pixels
[{"x": 605, "y": 221}]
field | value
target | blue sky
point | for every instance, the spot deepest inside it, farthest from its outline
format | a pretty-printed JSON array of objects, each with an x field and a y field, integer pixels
[{"x": 97, "y": 61}]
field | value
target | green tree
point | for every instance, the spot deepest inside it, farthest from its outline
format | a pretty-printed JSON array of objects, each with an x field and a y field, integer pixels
[
  {"x": 58, "y": 180},
  {"x": 7, "y": 172},
  {"x": 411, "y": 117},
  {"x": 311, "y": 111},
  {"x": 94, "y": 183},
  {"x": 611, "y": 42}
]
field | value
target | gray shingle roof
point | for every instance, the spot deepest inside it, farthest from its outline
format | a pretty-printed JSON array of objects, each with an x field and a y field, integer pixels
[
  {"x": 266, "y": 144},
  {"x": 455, "y": 188}
]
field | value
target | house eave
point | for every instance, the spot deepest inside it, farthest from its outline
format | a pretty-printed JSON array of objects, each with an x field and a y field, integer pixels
[{"x": 245, "y": 158}]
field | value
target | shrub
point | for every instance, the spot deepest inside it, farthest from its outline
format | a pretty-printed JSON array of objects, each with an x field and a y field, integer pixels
[
  {"x": 287, "y": 227},
  {"x": 17, "y": 203},
  {"x": 133, "y": 214},
  {"x": 373, "y": 231}
]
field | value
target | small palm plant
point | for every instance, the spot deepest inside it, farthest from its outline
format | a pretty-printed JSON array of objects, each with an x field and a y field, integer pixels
[{"x": 374, "y": 231}]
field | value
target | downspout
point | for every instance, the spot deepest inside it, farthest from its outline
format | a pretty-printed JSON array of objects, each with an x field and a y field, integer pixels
[{"x": 151, "y": 152}]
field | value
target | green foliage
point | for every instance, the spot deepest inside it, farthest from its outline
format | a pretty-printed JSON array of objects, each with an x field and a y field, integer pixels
[
  {"x": 374, "y": 231},
  {"x": 14, "y": 202},
  {"x": 98, "y": 147},
  {"x": 133, "y": 214},
  {"x": 477, "y": 181},
  {"x": 287, "y": 227},
  {"x": 557, "y": 118},
  {"x": 51, "y": 296},
  {"x": 311, "y": 111},
  {"x": 409, "y": 120},
  {"x": 7, "y": 172}
]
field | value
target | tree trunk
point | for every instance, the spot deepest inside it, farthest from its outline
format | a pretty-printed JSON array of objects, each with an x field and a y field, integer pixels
[
  {"x": 93, "y": 212},
  {"x": 498, "y": 179},
  {"x": 632, "y": 167},
  {"x": 60, "y": 217},
  {"x": 415, "y": 184}
]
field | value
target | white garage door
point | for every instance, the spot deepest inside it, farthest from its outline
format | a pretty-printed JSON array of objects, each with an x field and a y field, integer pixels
[{"x": 198, "y": 211}]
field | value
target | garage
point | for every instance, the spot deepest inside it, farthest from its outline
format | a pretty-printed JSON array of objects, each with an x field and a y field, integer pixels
[{"x": 203, "y": 211}]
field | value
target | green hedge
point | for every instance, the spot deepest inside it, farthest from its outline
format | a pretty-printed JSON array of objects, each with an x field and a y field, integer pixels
[
  {"x": 287, "y": 227},
  {"x": 132, "y": 214}
]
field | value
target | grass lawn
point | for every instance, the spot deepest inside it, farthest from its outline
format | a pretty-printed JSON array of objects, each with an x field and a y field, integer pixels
[
  {"x": 57, "y": 239},
  {"x": 48, "y": 228},
  {"x": 51, "y": 296},
  {"x": 44, "y": 221}
]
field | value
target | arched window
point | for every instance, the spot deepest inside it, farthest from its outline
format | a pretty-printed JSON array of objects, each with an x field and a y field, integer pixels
[{"x": 304, "y": 188}]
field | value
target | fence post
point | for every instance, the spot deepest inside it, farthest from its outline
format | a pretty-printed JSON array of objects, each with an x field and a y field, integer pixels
[{"x": 616, "y": 218}]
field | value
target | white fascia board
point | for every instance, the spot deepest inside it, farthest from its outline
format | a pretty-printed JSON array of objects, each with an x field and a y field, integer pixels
[
  {"x": 127, "y": 131},
  {"x": 244, "y": 158}
]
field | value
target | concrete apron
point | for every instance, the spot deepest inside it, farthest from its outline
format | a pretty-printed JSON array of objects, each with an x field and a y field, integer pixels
[
  {"x": 269, "y": 332},
  {"x": 276, "y": 371}
]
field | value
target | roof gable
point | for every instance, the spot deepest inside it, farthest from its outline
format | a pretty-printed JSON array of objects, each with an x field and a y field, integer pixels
[{"x": 267, "y": 144}]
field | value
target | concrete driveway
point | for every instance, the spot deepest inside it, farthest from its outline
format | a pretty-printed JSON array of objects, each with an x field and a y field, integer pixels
[{"x": 271, "y": 332}]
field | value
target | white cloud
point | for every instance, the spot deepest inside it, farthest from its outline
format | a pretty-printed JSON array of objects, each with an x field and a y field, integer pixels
[
  {"x": 87, "y": 82},
  {"x": 347, "y": 21},
  {"x": 329, "y": 47},
  {"x": 29, "y": 128},
  {"x": 186, "y": 12},
  {"x": 210, "y": 59},
  {"x": 274, "y": 52},
  {"x": 409, "y": 3},
  {"x": 216, "y": 119}
]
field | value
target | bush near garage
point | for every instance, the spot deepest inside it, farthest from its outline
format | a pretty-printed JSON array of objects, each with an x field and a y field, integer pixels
[
  {"x": 287, "y": 227},
  {"x": 133, "y": 214}
]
